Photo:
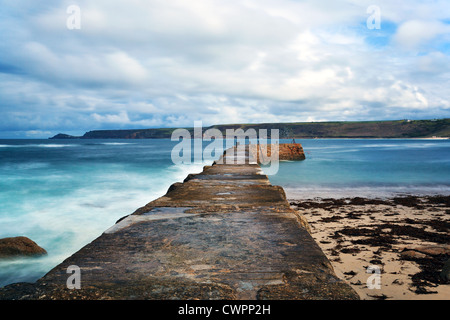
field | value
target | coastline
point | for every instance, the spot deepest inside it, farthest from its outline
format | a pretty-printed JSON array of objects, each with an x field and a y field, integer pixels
[
  {"x": 406, "y": 237},
  {"x": 290, "y": 138},
  {"x": 385, "y": 138}
]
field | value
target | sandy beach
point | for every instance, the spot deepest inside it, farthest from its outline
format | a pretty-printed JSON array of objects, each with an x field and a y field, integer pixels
[{"x": 405, "y": 238}]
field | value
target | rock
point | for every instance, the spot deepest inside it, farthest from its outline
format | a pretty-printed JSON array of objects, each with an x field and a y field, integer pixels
[
  {"x": 19, "y": 246},
  {"x": 425, "y": 251},
  {"x": 434, "y": 250},
  {"x": 445, "y": 273},
  {"x": 291, "y": 151},
  {"x": 286, "y": 151},
  {"x": 423, "y": 290},
  {"x": 408, "y": 254},
  {"x": 64, "y": 136}
]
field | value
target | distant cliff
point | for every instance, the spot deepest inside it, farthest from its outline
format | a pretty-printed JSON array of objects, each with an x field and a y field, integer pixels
[
  {"x": 162, "y": 133},
  {"x": 347, "y": 129},
  {"x": 64, "y": 136}
]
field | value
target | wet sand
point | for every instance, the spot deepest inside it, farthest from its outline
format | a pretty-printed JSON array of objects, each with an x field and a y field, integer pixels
[{"x": 407, "y": 238}]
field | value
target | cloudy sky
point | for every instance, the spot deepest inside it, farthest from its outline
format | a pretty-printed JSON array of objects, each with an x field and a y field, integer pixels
[{"x": 168, "y": 63}]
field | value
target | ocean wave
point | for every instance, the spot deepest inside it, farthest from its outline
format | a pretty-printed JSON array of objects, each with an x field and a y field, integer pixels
[
  {"x": 37, "y": 145},
  {"x": 324, "y": 147},
  {"x": 54, "y": 145},
  {"x": 64, "y": 223},
  {"x": 24, "y": 166},
  {"x": 381, "y": 145},
  {"x": 180, "y": 171},
  {"x": 342, "y": 151},
  {"x": 115, "y": 143},
  {"x": 405, "y": 145}
]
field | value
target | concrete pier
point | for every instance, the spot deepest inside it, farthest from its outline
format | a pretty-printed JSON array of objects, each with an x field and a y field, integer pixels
[{"x": 225, "y": 233}]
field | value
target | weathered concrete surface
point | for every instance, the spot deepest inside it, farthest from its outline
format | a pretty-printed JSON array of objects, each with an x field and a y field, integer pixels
[{"x": 225, "y": 233}]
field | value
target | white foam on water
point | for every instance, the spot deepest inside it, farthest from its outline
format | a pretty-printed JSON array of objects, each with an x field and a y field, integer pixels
[
  {"x": 342, "y": 150},
  {"x": 24, "y": 166},
  {"x": 53, "y": 145},
  {"x": 64, "y": 223},
  {"x": 115, "y": 143},
  {"x": 37, "y": 145},
  {"x": 401, "y": 145}
]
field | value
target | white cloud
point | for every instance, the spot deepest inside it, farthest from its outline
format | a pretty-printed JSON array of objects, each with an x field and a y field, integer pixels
[
  {"x": 414, "y": 33},
  {"x": 434, "y": 63},
  {"x": 37, "y": 133},
  {"x": 121, "y": 118},
  {"x": 116, "y": 67},
  {"x": 168, "y": 63}
]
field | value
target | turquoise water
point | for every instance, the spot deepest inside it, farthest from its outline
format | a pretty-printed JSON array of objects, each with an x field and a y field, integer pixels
[
  {"x": 64, "y": 193},
  {"x": 369, "y": 168}
]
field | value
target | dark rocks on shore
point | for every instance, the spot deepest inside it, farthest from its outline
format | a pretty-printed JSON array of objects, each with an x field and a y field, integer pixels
[
  {"x": 417, "y": 202},
  {"x": 445, "y": 273},
  {"x": 434, "y": 264},
  {"x": 411, "y": 254},
  {"x": 19, "y": 246}
]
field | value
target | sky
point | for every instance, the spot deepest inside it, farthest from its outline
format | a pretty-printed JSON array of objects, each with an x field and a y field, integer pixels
[{"x": 167, "y": 63}]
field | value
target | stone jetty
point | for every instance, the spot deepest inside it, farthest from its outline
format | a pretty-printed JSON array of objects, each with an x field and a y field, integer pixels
[{"x": 225, "y": 233}]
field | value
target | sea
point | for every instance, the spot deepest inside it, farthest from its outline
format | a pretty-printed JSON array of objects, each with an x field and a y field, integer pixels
[{"x": 63, "y": 194}]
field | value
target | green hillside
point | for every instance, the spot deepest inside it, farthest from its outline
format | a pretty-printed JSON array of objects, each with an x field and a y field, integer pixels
[{"x": 345, "y": 129}]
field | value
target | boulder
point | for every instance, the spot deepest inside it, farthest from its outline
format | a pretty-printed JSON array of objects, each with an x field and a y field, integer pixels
[
  {"x": 434, "y": 250},
  {"x": 411, "y": 254},
  {"x": 286, "y": 151},
  {"x": 19, "y": 246},
  {"x": 291, "y": 151}
]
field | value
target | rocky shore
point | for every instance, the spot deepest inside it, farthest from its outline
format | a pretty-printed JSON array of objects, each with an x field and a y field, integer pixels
[{"x": 407, "y": 238}]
